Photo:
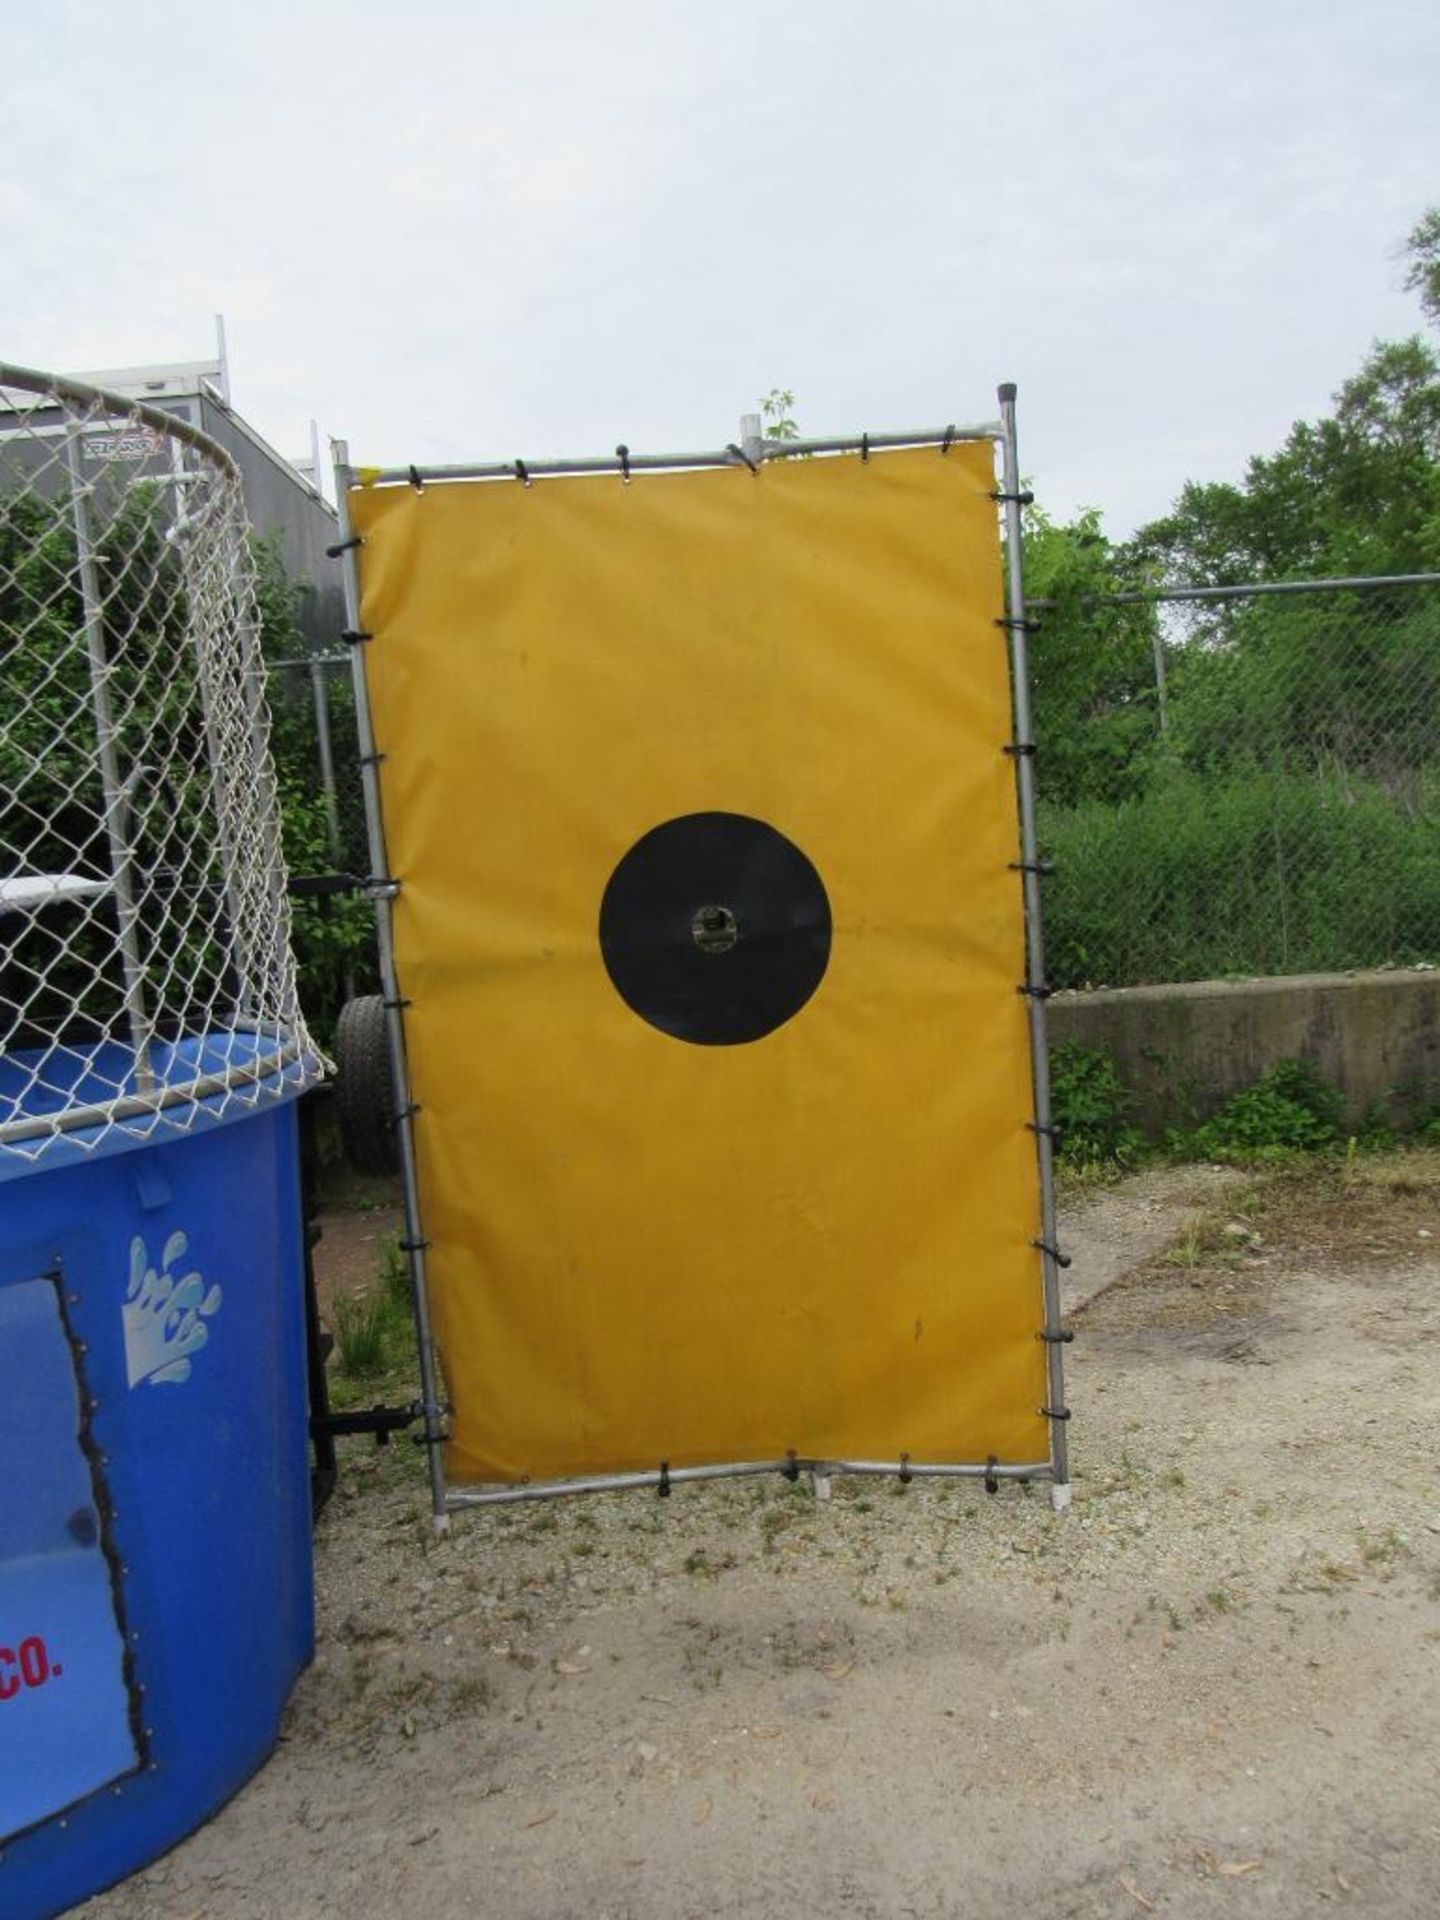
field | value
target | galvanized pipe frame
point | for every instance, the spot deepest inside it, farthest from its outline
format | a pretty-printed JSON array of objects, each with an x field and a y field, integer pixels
[
  {"x": 461, "y": 1498},
  {"x": 383, "y": 889},
  {"x": 754, "y": 454},
  {"x": 1035, "y": 987},
  {"x": 446, "y": 1500},
  {"x": 136, "y": 1106},
  {"x": 78, "y": 393}
]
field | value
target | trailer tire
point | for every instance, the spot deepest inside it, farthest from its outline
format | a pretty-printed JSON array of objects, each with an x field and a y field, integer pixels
[{"x": 365, "y": 1091}]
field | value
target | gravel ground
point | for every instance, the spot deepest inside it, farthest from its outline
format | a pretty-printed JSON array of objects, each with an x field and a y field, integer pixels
[{"x": 1211, "y": 1689}]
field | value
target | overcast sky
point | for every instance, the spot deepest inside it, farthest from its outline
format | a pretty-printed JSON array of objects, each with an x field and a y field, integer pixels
[{"x": 482, "y": 229}]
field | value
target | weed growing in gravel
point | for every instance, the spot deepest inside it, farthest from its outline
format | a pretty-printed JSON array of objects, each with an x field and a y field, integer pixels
[
  {"x": 1203, "y": 1237},
  {"x": 375, "y": 1335},
  {"x": 471, "y": 1693},
  {"x": 701, "y": 1565},
  {"x": 1385, "y": 1548},
  {"x": 361, "y": 1327},
  {"x": 1323, "y": 1576}
]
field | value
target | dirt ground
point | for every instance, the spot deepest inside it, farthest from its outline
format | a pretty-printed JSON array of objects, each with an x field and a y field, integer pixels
[{"x": 1212, "y": 1689}]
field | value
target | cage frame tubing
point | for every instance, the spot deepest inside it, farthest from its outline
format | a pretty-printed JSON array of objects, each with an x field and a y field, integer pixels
[
  {"x": 1034, "y": 934},
  {"x": 134, "y": 1106},
  {"x": 462, "y": 1498},
  {"x": 56, "y": 387},
  {"x": 112, "y": 788},
  {"x": 674, "y": 462},
  {"x": 383, "y": 895}
]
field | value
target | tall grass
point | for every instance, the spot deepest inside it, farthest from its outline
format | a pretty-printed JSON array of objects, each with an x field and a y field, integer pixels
[{"x": 1251, "y": 872}]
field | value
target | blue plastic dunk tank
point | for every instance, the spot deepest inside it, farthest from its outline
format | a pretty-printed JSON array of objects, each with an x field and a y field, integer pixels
[{"x": 155, "y": 1559}]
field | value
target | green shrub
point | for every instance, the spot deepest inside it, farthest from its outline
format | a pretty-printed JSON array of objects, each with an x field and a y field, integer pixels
[
  {"x": 395, "y": 1276},
  {"x": 1091, "y": 1105},
  {"x": 1291, "y": 1110}
]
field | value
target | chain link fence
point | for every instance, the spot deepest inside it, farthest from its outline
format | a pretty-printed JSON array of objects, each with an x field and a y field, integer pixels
[
  {"x": 317, "y": 757},
  {"x": 1241, "y": 781},
  {"x": 1234, "y": 782},
  {"x": 146, "y": 978}
]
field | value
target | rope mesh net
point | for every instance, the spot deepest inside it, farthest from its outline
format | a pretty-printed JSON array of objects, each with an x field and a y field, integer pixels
[{"x": 146, "y": 977}]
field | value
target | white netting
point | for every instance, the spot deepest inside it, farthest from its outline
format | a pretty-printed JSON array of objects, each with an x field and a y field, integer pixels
[{"x": 146, "y": 980}]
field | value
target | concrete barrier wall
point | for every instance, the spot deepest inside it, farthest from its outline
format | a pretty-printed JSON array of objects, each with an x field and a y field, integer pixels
[{"x": 1183, "y": 1050}]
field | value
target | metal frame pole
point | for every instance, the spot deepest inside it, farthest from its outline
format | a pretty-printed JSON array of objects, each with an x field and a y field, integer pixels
[
  {"x": 126, "y": 912},
  {"x": 1035, "y": 987},
  {"x": 1161, "y": 702},
  {"x": 321, "y": 696},
  {"x": 384, "y": 889},
  {"x": 991, "y": 1474},
  {"x": 673, "y": 462}
]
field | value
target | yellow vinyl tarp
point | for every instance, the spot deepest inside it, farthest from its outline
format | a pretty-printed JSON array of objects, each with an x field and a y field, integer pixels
[{"x": 643, "y": 1248}]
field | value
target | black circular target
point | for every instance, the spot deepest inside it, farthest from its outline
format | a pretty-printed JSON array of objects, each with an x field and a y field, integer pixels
[{"x": 715, "y": 928}]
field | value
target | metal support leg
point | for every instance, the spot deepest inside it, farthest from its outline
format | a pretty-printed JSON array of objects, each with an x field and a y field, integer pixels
[{"x": 1034, "y": 935}]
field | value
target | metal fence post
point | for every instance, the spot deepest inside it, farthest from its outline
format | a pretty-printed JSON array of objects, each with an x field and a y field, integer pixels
[{"x": 320, "y": 694}]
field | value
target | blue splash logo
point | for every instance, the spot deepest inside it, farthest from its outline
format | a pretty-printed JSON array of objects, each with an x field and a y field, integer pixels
[{"x": 165, "y": 1315}]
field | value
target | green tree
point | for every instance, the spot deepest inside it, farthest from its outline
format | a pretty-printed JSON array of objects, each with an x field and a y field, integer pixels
[
  {"x": 1092, "y": 663},
  {"x": 1355, "y": 492},
  {"x": 1289, "y": 818},
  {"x": 1423, "y": 275}
]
